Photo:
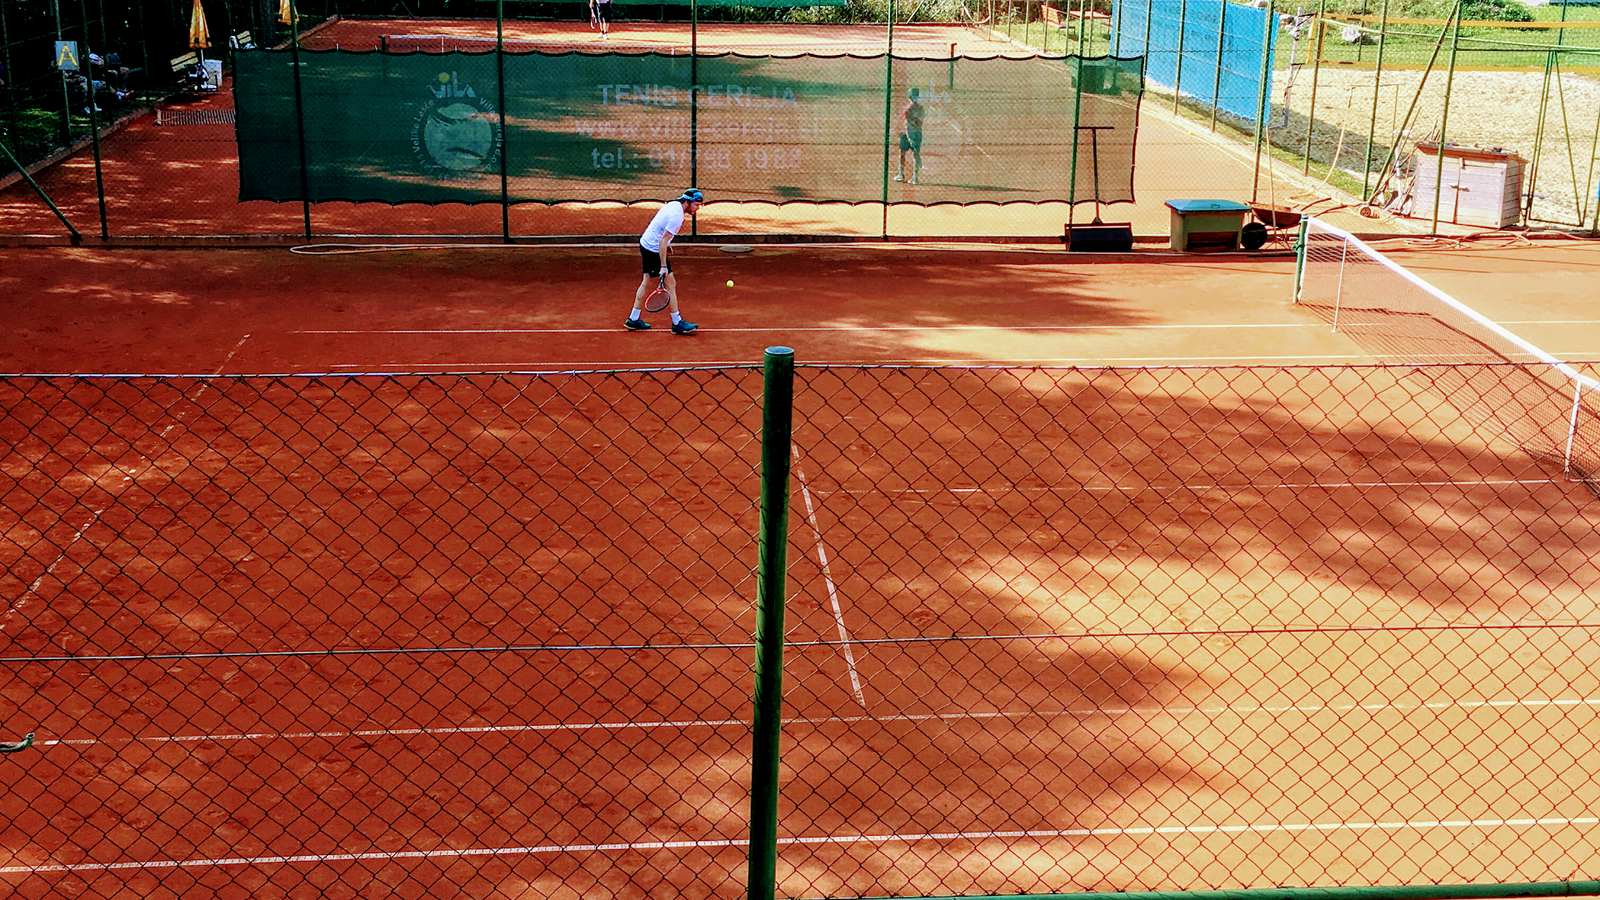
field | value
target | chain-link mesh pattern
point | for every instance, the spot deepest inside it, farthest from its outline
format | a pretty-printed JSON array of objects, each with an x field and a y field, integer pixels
[
  {"x": 330, "y": 636},
  {"x": 1049, "y": 630},
  {"x": 1169, "y": 628}
]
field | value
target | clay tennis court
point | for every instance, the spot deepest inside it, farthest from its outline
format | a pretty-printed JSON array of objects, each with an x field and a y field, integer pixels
[{"x": 1264, "y": 622}]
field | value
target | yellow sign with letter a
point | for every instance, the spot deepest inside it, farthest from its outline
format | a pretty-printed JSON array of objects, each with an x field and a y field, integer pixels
[{"x": 67, "y": 56}]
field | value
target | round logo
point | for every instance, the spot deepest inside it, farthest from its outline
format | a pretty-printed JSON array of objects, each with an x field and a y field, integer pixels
[{"x": 456, "y": 135}]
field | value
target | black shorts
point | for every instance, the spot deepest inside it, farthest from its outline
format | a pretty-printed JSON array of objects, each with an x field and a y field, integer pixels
[
  {"x": 911, "y": 141},
  {"x": 652, "y": 262},
  {"x": 603, "y": 12}
]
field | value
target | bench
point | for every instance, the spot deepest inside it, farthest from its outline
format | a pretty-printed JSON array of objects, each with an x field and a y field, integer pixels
[
  {"x": 242, "y": 41},
  {"x": 193, "y": 73},
  {"x": 190, "y": 73},
  {"x": 1054, "y": 17}
]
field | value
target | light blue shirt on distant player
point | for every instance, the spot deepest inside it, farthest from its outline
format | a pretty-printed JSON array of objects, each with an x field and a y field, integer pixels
[{"x": 668, "y": 220}]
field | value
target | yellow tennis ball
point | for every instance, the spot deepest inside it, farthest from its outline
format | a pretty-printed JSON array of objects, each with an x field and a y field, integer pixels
[{"x": 730, "y": 282}]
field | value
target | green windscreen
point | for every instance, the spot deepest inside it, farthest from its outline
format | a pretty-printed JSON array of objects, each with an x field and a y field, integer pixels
[{"x": 426, "y": 128}]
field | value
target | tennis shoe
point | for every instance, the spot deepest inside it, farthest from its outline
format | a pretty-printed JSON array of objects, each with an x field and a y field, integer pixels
[
  {"x": 683, "y": 327},
  {"x": 637, "y": 325},
  {"x": 914, "y": 180},
  {"x": 899, "y": 178}
]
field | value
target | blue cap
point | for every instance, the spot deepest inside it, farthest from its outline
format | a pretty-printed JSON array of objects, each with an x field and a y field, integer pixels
[{"x": 692, "y": 195}]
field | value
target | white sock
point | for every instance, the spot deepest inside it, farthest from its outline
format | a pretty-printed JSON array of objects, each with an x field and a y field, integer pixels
[
  {"x": 636, "y": 313},
  {"x": 676, "y": 318}
]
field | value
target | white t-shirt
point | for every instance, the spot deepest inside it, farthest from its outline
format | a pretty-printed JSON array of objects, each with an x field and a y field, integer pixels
[{"x": 667, "y": 221}]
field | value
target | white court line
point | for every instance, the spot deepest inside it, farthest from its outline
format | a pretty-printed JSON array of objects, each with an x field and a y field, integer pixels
[
  {"x": 827, "y": 578},
  {"x": 849, "y": 328},
  {"x": 1188, "y": 487},
  {"x": 878, "y": 839},
  {"x": 1300, "y": 360},
  {"x": 128, "y": 477},
  {"x": 1087, "y": 712}
]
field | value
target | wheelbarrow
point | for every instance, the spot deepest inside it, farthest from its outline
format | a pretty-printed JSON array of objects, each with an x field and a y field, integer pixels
[{"x": 1277, "y": 218}]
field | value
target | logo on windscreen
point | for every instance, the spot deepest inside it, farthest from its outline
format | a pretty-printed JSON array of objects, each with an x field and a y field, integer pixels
[{"x": 455, "y": 133}]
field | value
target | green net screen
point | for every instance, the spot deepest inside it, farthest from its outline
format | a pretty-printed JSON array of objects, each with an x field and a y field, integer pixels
[{"x": 447, "y": 127}]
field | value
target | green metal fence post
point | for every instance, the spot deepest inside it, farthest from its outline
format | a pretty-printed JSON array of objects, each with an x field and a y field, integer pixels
[
  {"x": 1216, "y": 81},
  {"x": 300, "y": 116},
  {"x": 1377, "y": 86},
  {"x": 94, "y": 120},
  {"x": 1264, "y": 100},
  {"x": 1177, "y": 71},
  {"x": 1301, "y": 245},
  {"x": 772, "y": 544},
  {"x": 77, "y": 238},
  {"x": 1444, "y": 121},
  {"x": 500, "y": 89},
  {"x": 888, "y": 115},
  {"x": 1316, "y": 75}
]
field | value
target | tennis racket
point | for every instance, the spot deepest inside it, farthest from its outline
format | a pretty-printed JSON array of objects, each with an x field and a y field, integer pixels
[
  {"x": 659, "y": 298},
  {"x": 594, "y": 17}
]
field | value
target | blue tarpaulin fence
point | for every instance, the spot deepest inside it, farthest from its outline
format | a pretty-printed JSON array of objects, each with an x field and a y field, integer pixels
[{"x": 1209, "y": 50}]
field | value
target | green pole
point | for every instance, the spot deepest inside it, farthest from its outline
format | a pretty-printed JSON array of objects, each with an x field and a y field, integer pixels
[
  {"x": 1149, "y": 23},
  {"x": 5, "y": 61},
  {"x": 1301, "y": 245},
  {"x": 500, "y": 76},
  {"x": 66, "y": 93},
  {"x": 1077, "y": 144},
  {"x": 76, "y": 237},
  {"x": 1444, "y": 121},
  {"x": 1264, "y": 102},
  {"x": 888, "y": 115},
  {"x": 300, "y": 116},
  {"x": 1177, "y": 71},
  {"x": 694, "y": 104},
  {"x": 1377, "y": 85},
  {"x": 1216, "y": 81},
  {"x": 1316, "y": 75},
  {"x": 94, "y": 121},
  {"x": 772, "y": 544},
  {"x": 1532, "y": 179}
]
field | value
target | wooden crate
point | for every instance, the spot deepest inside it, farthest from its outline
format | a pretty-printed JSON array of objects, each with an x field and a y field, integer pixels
[{"x": 1480, "y": 187}]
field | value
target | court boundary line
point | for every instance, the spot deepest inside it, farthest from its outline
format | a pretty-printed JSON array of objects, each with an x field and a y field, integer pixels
[
  {"x": 827, "y": 578},
  {"x": 1239, "y": 710},
  {"x": 129, "y": 477},
  {"x": 639, "y": 846}
]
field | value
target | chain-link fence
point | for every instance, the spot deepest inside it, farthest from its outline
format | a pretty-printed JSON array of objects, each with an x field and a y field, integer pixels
[{"x": 1048, "y": 630}]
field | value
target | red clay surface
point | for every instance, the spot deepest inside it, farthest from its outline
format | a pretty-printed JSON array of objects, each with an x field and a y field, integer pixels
[{"x": 315, "y": 514}]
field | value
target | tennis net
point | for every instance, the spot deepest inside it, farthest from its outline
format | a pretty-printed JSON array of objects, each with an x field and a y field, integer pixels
[{"x": 1546, "y": 407}]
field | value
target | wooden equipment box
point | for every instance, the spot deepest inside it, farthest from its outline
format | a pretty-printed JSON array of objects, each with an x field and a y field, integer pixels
[{"x": 1480, "y": 187}]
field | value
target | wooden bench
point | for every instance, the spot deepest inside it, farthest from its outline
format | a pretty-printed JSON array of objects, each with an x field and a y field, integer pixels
[
  {"x": 242, "y": 41},
  {"x": 1054, "y": 17},
  {"x": 191, "y": 72}
]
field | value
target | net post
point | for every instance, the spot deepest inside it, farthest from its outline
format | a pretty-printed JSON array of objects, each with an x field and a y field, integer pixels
[
  {"x": 772, "y": 545},
  {"x": 1572, "y": 426},
  {"x": 1301, "y": 246}
]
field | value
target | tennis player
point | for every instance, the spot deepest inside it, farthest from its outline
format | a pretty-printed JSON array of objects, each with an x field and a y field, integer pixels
[
  {"x": 655, "y": 251},
  {"x": 602, "y": 12},
  {"x": 911, "y": 136}
]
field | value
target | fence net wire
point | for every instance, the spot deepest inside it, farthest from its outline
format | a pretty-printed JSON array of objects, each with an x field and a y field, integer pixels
[{"x": 1048, "y": 630}]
